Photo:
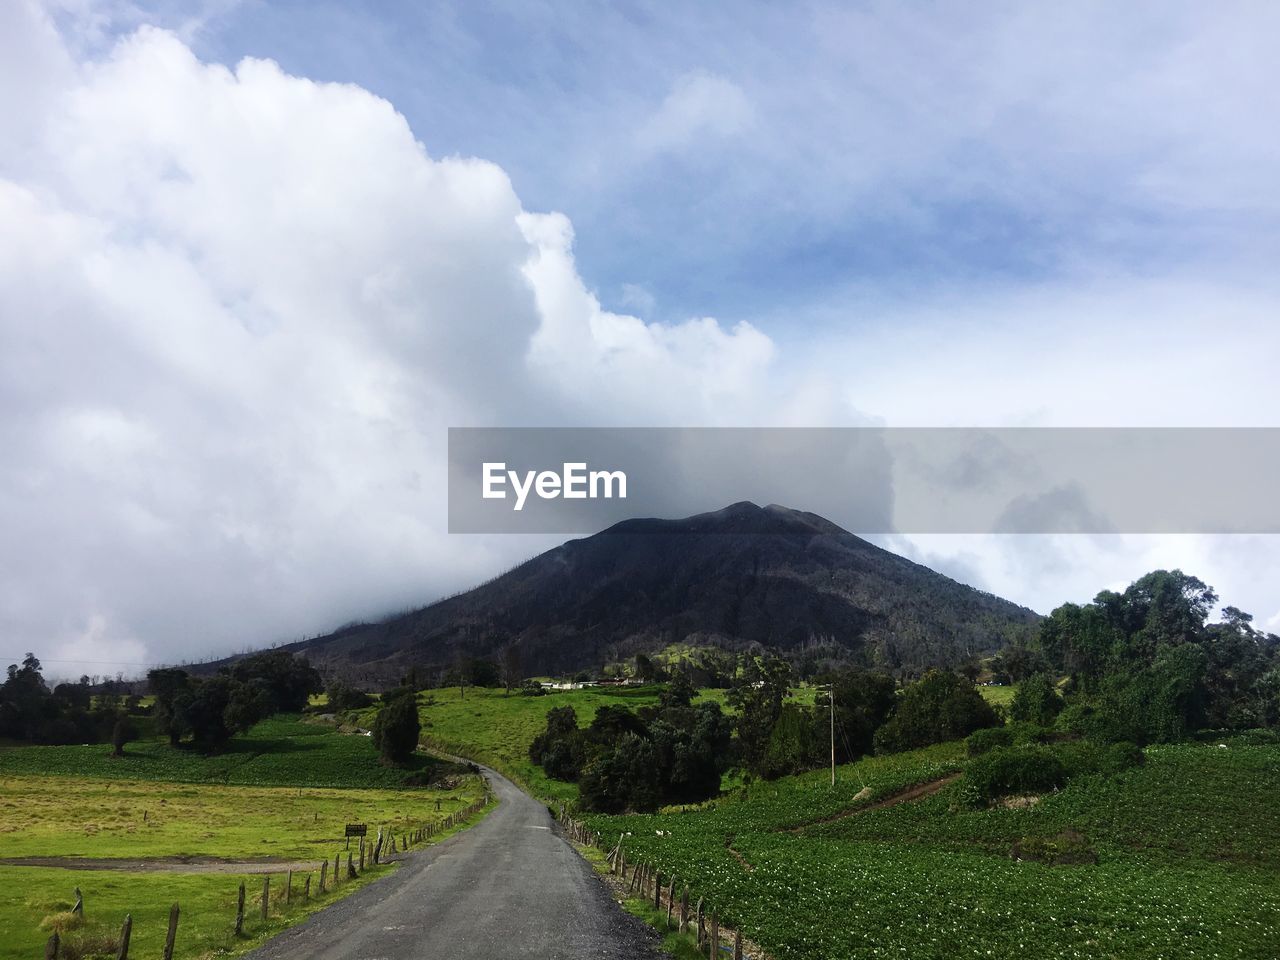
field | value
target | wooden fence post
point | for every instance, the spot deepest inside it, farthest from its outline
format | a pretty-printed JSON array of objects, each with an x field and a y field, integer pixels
[
  {"x": 351, "y": 869},
  {"x": 362, "y": 854},
  {"x": 737, "y": 945},
  {"x": 266, "y": 893},
  {"x": 337, "y": 859},
  {"x": 172, "y": 935},
  {"x": 51, "y": 947},
  {"x": 377, "y": 850},
  {"x": 306, "y": 889},
  {"x": 684, "y": 909},
  {"x": 125, "y": 931},
  {"x": 702, "y": 927},
  {"x": 79, "y": 905},
  {"x": 715, "y": 937},
  {"x": 671, "y": 901},
  {"x": 657, "y": 890},
  {"x": 288, "y": 888},
  {"x": 240, "y": 910},
  {"x": 324, "y": 870}
]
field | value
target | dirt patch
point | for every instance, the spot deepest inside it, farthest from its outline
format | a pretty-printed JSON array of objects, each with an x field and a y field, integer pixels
[
  {"x": 193, "y": 864},
  {"x": 902, "y": 796},
  {"x": 746, "y": 865},
  {"x": 1018, "y": 803}
]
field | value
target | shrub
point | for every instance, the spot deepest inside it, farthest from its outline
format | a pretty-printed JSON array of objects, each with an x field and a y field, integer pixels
[
  {"x": 987, "y": 739},
  {"x": 1009, "y": 771},
  {"x": 1122, "y": 756}
]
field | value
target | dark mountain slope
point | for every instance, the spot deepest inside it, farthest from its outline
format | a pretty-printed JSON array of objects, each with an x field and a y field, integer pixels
[{"x": 739, "y": 576}]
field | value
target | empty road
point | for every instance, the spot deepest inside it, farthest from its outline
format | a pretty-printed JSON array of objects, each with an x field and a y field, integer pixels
[{"x": 509, "y": 887}]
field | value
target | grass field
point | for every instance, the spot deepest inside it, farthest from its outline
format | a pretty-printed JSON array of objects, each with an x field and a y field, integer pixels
[
  {"x": 284, "y": 751},
  {"x": 206, "y": 926},
  {"x": 998, "y": 696},
  {"x": 93, "y": 806}
]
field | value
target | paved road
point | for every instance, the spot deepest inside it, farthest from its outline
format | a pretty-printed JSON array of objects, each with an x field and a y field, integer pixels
[{"x": 509, "y": 887}]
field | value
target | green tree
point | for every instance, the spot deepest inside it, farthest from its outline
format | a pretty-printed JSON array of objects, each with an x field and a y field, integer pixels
[
  {"x": 1036, "y": 700},
  {"x": 940, "y": 706},
  {"x": 397, "y": 727},
  {"x": 758, "y": 696}
]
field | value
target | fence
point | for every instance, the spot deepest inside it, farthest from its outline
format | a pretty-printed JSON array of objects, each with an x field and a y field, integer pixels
[
  {"x": 357, "y": 863},
  {"x": 647, "y": 882}
]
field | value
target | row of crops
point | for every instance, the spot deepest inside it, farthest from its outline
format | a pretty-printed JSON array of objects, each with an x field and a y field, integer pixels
[{"x": 1188, "y": 850}]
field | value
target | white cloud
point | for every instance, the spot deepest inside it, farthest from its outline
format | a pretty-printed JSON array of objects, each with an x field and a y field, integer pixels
[
  {"x": 237, "y": 311},
  {"x": 700, "y": 106}
]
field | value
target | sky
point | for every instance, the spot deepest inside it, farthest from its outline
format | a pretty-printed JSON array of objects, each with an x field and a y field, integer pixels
[{"x": 257, "y": 257}]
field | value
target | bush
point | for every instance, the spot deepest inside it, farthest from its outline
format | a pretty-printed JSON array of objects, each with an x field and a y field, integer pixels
[
  {"x": 1024, "y": 732},
  {"x": 1013, "y": 771},
  {"x": 1122, "y": 756},
  {"x": 987, "y": 739}
]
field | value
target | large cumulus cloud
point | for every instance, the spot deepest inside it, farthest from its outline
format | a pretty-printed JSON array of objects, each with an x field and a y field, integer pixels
[{"x": 239, "y": 310}]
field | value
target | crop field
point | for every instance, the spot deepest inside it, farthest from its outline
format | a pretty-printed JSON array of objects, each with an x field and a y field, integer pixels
[
  {"x": 1188, "y": 848},
  {"x": 282, "y": 797}
]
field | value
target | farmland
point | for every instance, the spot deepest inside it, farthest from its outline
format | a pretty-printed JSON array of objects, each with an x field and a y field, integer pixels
[
  {"x": 280, "y": 796},
  {"x": 1186, "y": 845},
  {"x": 1187, "y": 862}
]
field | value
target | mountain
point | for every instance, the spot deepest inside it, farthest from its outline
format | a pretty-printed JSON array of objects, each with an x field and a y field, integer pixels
[{"x": 742, "y": 576}]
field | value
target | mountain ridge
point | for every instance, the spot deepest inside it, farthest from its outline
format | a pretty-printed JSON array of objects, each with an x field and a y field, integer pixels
[{"x": 738, "y": 578}]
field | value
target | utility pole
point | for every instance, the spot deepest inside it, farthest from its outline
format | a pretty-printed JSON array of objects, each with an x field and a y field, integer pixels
[
  {"x": 831, "y": 701},
  {"x": 831, "y": 698}
]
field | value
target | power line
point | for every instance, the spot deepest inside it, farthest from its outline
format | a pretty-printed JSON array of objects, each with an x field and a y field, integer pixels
[{"x": 101, "y": 663}]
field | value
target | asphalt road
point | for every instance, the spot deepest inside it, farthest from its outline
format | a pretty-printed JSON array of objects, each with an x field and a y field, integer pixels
[{"x": 508, "y": 887}]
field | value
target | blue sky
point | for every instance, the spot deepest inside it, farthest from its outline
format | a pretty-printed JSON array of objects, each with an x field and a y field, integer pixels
[
  {"x": 259, "y": 256},
  {"x": 863, "y": 146}
]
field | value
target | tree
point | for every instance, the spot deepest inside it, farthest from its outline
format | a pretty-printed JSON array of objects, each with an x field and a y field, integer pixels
[
  {"x": 561, "y": 748},
  {"x": 287, "y": 681},
  {"x": 171, "y": 688},
  {"x": 792, "y": 746},
  {"x": 679, "y": 691},
  {"x": 940, "y": 706},
  {"x": 512, "y": 669},
  {"x": 1036, "y": 700},
  {"x": 343, "y": 697},
  {"x": 122, "y": 732},
  {"x": 758, "y": 699},
  {"x": 205, "y": 712},
  {"x": 863, "y": 701},
  {"x": 397, "y": 727}
]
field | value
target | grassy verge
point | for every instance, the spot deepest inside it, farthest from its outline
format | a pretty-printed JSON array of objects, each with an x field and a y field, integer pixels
[{"x": 681, "y": 946}]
